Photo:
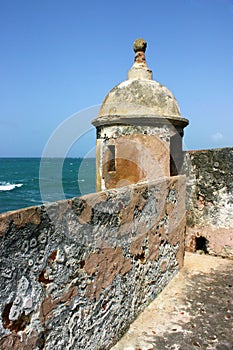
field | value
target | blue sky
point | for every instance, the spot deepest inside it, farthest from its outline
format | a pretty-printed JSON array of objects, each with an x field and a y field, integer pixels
[{"x": 59, "y": 57}]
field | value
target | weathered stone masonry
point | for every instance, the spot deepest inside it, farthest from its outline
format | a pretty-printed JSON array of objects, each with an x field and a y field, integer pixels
[
  {"x": 75, "y": 273},
  {"x": 210, "y": 201},
  {"x": 139, "y": 129}
]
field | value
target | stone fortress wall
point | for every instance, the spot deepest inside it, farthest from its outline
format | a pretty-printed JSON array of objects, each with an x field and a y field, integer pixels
[
  {"x": 209, "y": 201},
  {"x": 76, "y": 273}
]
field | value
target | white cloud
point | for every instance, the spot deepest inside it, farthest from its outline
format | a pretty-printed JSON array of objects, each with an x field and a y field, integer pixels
[{"x": 217, "y": 136}]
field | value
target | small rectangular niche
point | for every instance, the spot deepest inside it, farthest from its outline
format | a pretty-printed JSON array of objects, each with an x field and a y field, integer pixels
[
  {"x": 111, "y": 158},
  {"x": 176, "y": 154}
]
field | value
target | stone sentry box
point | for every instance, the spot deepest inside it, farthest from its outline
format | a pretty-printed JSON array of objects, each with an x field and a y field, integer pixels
[{"x": 139, "y": 129}]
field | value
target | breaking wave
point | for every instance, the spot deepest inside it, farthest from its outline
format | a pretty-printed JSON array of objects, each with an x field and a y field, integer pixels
[{"x": 5, "y": 186}]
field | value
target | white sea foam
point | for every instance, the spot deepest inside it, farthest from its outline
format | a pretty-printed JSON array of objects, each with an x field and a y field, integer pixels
[{"x": 6, "y": 186}]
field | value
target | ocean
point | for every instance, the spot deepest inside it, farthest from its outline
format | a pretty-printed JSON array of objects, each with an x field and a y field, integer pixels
[{"x": 27, "y": 182}]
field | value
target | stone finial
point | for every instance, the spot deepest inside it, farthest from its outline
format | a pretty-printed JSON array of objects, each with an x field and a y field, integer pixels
[
  {"x": 140, "y": 45},
  {"x": 140, "y": 69}
]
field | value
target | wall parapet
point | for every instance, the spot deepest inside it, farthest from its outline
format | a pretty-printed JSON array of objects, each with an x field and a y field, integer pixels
[
  {"x": 209, "y": 201},
  {"x": 75, "y": 273}
]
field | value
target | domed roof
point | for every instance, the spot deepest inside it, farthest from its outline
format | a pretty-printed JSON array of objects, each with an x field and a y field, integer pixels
[{"x": 139, "y": 99}]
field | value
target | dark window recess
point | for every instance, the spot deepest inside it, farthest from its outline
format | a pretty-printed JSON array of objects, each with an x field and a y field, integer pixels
[
  {"x": 202, "y": 244},
  {"x": 112, "y": 158},
  {"x": 173, "y": 168},
  {"x": 176, "y": 155}
]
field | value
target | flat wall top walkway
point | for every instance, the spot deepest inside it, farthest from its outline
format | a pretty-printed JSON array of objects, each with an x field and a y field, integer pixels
[{"x": 195, "y": 311}]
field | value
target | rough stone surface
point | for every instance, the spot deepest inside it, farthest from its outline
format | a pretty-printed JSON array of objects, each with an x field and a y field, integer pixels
[
  {"x": 195, "y": 311},
  {"x": 210, "y": 201},
  {"x": 141, "y": 154},
  {"x": 76, "y": 273},
  {"x": 140, "y": 98}
]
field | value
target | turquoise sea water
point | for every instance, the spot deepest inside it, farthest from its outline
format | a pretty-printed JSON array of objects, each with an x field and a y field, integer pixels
[{"x": 31, "y": 181}]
